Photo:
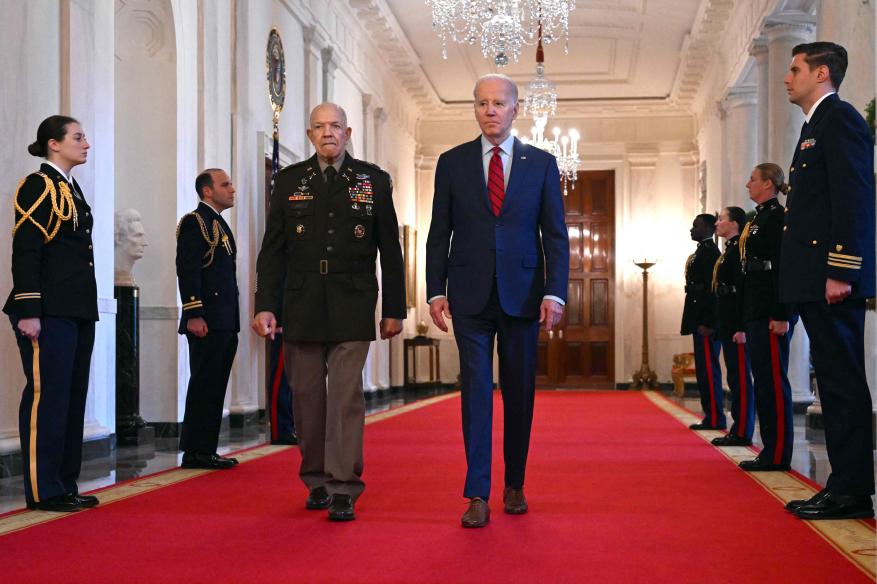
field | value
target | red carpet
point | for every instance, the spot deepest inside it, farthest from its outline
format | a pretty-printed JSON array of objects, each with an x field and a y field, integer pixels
[{"x": 619, "y": 492}]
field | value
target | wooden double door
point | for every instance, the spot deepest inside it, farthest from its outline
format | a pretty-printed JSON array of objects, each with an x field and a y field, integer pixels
[{"x": 580, "y": 352}]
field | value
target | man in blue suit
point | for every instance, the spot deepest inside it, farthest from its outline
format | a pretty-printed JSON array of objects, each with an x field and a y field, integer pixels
[
  {"x": 827, "y": 269},
  {"x": 497, "y": 256}
]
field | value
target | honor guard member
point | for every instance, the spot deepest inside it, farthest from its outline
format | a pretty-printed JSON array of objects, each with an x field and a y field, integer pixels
[
  {"x": 329, "y": 217},
  {"x": 766, "y": 319},
  {"x": 206, "y": 254},
  {"x": 828, "y": 270},
  {"x": 53, "y": 308},
  {"x": 727, "y": 274},
  {"x": 698, "y": 321}
]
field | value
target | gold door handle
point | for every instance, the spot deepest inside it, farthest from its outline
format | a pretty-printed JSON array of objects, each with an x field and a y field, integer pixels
[
  {"x": 560, "y": 334},
  {"x": 551, "y": 334}
]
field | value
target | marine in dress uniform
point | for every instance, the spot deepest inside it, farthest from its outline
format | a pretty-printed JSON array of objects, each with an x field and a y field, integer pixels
[
  {"x": 328, "y": 218},
  {"x": 727, "y": 274},
  {"x": 767, "y": 320},
  {"x": 828, "y": 271},
  {"x": 53, "y": 281},
  {"x": 206, "y": 263},
  {"x": 698, "y": 320}
]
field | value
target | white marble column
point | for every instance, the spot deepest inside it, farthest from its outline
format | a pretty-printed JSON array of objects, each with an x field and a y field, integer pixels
[
  {"x": 329, "y": 66},
  {"x": 312, "y": 78},
  {"x": 741, "y": 116},
  {"x": 783, "y": 32},
  {"x": 851, "y": 23},
  {"x": 758, "y": 50}
]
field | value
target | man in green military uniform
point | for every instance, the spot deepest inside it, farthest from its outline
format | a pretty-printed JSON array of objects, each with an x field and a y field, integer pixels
[{"x": 328, "y": 218}]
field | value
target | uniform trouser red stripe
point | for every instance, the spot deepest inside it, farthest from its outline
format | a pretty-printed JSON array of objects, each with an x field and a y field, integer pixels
[
  {"x": 778, "y": 398},
  {"x": 712, "y": 384},
  {"x": 743, "y": 377}
]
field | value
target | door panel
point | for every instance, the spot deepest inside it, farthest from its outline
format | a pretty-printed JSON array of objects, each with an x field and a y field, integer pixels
[{"x": 581, "y": 352}]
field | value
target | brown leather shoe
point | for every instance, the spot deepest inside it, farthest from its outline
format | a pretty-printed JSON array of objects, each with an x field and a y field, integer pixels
[
  {"x": 514, "y": 501},
  {"x": 478, "y": 513}
]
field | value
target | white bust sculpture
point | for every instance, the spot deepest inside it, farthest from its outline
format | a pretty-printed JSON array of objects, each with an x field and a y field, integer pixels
[{"x": 130, "y": 240}]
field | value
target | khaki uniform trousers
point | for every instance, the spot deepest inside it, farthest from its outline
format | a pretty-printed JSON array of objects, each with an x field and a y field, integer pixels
[{"x": 329, "y": 412}]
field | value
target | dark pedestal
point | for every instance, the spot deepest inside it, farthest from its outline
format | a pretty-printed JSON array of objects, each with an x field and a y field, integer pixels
[{"x": 131, "y": 429}]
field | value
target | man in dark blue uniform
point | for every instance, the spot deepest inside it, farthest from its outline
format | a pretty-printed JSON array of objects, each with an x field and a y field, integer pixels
[
  {"x": 828, "y": 270},
  {"x": 727, "y": 275},
  {"x": 698, "y": 320},
  {"x": 210, "y": 320},
  {"x": 768, "y": 321}
]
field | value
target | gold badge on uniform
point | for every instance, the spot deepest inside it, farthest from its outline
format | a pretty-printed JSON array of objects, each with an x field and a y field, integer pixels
[
  {"x": 839, "y": 247},
  {"x": 299, "y": 229},
  {"x": 359, "y": 231}
]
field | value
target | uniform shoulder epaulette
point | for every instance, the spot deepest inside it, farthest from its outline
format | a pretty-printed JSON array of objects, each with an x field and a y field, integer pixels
[
  {"x": 294, "y": 165},
  {"x": 62, "y": 206},
  {"x": 373, "y": 166}
]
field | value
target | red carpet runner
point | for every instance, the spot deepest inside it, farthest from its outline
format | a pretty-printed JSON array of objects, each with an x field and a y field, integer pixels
[{"x": 619, "y": 491}]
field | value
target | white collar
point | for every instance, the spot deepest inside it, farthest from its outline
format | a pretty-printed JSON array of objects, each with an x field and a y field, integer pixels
[
  {"x": 55, "y": 166},
  {"x": 809, "y": 115},
  {"x": 506, "y": 145}
]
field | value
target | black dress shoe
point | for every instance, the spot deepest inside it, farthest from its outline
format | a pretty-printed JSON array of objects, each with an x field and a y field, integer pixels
[
  {"x": 318, "y": 499},
  {"x": 204, "y": 460},
  {"x": 704, "y": 426},
  {"x": 229, "y": 458},
  {"x": 341, "y": 508},
  {"x": 87, "y": 501},
  {"x": 730, "y": 440},
  {"x": 61, "y": 503},
  {"x": 290, "y": 439},
  {"x": 757, "y": 464},
  {"x": 796, "y": 503},
  {"x": 833, "y": 506}
]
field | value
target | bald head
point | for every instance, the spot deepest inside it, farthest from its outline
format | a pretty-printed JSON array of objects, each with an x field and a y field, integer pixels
[{"x": 328, "y": 131}]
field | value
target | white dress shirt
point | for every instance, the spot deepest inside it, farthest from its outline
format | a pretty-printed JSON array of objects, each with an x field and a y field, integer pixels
[{"x": 505, "y": 154}]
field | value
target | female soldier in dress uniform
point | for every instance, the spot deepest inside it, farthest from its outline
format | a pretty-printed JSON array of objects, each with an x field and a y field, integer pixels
[
  {"x": 767, "y": 319},
  {"x": 53, "y": 308},
  {"x": 727, "y": 274}
]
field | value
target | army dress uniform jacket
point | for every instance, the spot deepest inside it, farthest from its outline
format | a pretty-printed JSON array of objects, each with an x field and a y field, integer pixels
[
  {"x": 760, "y": 247},
  {"x": 206, "y": 264},
  {"x": 727, "y": 280},
  {"x": 699, "y": 300},
  {"x": 317, "y": 261},
  {"x": 52, "y": 250},
  {"x": 830, "y": 207}
]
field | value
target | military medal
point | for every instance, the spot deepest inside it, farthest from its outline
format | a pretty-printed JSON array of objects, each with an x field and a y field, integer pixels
[
  {"x": 808, "y": 143},
  {"x": 362, "y": 192},
  {"x": 299, "y": 229},
  {"x": 359, "y": 232}
]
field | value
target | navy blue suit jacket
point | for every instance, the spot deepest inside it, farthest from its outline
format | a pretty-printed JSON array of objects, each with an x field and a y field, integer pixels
[
  {"x": 829, "y": 224},
  {"x": 526, "y": 247}
]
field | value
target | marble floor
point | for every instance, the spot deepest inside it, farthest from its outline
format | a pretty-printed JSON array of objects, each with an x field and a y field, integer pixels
[{"x": 129, "y": 462}]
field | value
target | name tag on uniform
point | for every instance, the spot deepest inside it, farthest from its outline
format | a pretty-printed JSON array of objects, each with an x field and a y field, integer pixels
[
  {"x": 301, "y": 197},
  {"x": 808, "y": 143}
]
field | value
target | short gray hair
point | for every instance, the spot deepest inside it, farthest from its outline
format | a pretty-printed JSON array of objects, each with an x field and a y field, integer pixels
[
  {"x": 499, "y": 77},
  {"x": 329, "y": 104}
]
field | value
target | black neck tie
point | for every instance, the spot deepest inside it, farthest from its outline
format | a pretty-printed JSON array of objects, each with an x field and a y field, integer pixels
[{"x": 330, "y": 176}]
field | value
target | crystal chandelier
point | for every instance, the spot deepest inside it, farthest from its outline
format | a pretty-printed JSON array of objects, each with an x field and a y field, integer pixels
[
  {"x": 540, "y": 103},
  {"x": 501, "y": 26}
]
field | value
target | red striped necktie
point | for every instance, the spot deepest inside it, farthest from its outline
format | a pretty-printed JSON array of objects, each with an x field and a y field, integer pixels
[{"x": 496, "y": 182}]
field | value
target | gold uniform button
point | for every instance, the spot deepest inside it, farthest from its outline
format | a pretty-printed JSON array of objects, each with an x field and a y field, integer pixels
[
  {"x": 792, "y": 169},
  {"x": 90, "y": 247},
  {"x": 216, "y": 293},
  {"x": 91, "y": 264},
  {"x": 785, "y": 227},
  {"x": 804, "y": 165},
  {"x": 88, "y": 230},
  {"x": 191, "y": 298},
  {"x": 814, "y": 242}
]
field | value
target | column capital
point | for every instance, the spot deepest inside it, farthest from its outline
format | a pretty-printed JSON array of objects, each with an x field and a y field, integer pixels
[
  {"x": 311, "y": 39},
  {"x": 758, "y": 48},
  {"x": 794, "y": 25},
  {"x": 741, "y": 95},
  {"x": 368, "y": 103},
  {"x": 380, "y": 115},
  {"x": 329, "y": 59}
]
